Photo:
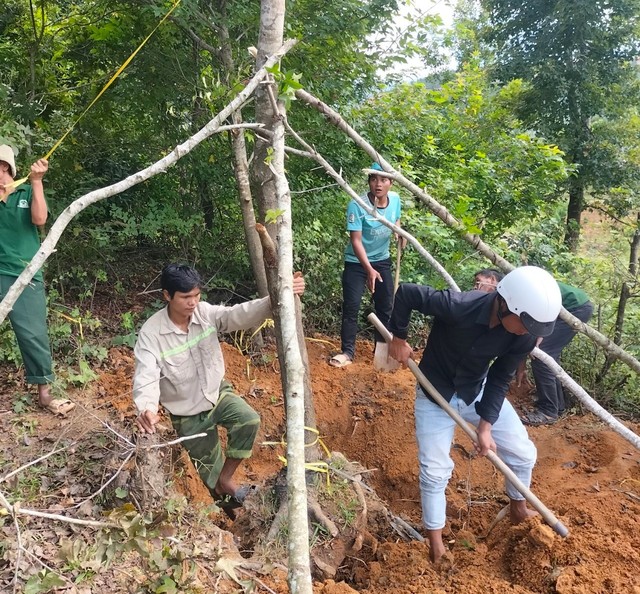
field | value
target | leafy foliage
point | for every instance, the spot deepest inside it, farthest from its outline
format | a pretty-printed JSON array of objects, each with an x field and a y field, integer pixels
[
  {"x": 487, "y": 144},
  {"x": 462, "y": 143},
  {"x": 577, "y": 59}
]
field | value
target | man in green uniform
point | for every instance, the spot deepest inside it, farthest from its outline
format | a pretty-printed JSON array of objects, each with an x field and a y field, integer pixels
[
  {"x": 550, "y": 403},
  {"x": 22, "y": 210}
]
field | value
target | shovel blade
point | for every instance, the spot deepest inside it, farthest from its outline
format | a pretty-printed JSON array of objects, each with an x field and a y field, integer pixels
[{"x": 381, "y": 359}]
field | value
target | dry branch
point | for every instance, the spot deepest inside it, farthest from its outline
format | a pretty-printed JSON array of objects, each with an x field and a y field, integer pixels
[
  {"x": 16, "y": 510},
  {"x": 77, "y": 206},
  {"x": 316, "y": 156},
  {"x": 585, "y": 399},
  {"x": 6, "y": 477},
  {"x": 361, "y": 521},
  {"x": 441, "y": 212}
]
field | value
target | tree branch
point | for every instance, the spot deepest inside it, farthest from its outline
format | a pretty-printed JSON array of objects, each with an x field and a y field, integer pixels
[
  {"x": 48, "y": 246},
  {"x": 441, "y": 212},
  {"x": 316, "y": 156}
]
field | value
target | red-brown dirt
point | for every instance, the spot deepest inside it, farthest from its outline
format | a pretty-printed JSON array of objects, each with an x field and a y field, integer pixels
[{"x": 586, "y": 474}]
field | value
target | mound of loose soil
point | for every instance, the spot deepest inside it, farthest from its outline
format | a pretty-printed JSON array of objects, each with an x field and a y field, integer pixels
[{"x": 587, "y": 475}]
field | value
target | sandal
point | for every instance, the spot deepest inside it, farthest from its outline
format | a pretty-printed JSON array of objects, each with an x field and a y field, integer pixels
[
  {"x": 537, "y": 417},
  {"x": 59, "y": 406},
  {"x": 340, "y": 360}
]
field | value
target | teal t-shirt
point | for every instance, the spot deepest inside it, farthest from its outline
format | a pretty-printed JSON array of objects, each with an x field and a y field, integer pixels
[
  {"x": 19, "y": 239},
  {"x": 375, "y": 236}
]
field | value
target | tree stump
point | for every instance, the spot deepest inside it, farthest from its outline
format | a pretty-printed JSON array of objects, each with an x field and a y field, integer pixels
[{"x": 148, "y": 480}]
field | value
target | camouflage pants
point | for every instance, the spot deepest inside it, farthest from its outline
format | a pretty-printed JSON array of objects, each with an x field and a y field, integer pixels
[{"x": 232, "y": 413}]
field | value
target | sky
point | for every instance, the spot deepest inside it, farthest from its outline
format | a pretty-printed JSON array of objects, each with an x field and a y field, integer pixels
[
  {"x": 442, "y": 7},
  {"x": 414, "y": 69}
]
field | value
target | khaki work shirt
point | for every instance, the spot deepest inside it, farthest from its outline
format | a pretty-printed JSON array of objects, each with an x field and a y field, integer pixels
[{"x": 183, "y": 370}]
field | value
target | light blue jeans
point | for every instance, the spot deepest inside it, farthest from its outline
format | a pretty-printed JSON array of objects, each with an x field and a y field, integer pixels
[{"x": 434, "y": 432}]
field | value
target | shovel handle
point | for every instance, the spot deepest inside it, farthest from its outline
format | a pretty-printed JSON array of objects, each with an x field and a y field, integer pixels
[{"x": 428, "y": 387}]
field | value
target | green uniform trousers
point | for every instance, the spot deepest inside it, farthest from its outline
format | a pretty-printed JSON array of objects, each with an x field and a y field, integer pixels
[
  {"x": 29, "y": 322},
  {"x": 232, "y": 413}
]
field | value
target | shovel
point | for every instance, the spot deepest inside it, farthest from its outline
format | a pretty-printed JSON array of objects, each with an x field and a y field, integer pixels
[
  {"x": 381, "y": 360},
  {"x": 428, "y": 387}
]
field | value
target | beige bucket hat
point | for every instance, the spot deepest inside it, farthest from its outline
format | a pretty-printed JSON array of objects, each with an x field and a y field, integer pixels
[{"x": 6, "y": 155}]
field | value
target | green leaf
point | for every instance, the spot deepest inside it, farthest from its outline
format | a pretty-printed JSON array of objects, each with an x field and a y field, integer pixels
[
  {"x": 43, "y": 581},
  {"x": 272, "y": 215},
  {"x": 168, "y": 587}
]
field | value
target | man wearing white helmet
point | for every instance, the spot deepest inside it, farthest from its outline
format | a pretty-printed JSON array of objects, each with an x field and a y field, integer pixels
[{"x": 475, "y": 345}]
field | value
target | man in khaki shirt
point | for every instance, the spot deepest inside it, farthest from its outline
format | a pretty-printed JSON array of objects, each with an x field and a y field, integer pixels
[{"x": 179, "y": 364}]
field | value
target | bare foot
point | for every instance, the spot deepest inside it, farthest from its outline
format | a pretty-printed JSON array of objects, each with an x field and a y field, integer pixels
[
  {"x": 519, "y": 512},
  {"x": 436, "y": 545},
  {"x": 226, "y": 488},
  {"x": 44, "y": 395},
  {"x": 445, "y": 563}
]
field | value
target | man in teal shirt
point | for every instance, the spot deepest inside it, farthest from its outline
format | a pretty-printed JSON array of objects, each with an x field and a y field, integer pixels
[
  {"x": 367, "y": 262},
  {"x": 22, "y": 210}
]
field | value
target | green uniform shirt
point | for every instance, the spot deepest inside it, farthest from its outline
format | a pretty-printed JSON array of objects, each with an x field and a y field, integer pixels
[
  {"x": 572, "y": 297},
  {"x": 19, "y": 239}
]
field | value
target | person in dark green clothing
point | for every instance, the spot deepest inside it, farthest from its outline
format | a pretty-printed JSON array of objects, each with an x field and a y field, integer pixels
[
  {"x": 550, "y": 397},
  {"x": 22, "y": 210}
]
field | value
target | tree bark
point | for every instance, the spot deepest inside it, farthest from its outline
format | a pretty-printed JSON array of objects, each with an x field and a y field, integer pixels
[
  {"x": 574, "y": 214},
  {"x": 241, "y": 172},
  {"x": 625, "y": 295},
  {"x": 273, "y": 191},
  {"x": 241, "y": 167},
  {"x": 263, "y": 181},
  {"x": 631, "y": 280}
]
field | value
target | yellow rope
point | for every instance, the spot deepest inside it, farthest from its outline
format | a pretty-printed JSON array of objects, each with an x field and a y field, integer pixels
[
  {"x": 118, "y": 73},
  {"x": 313, "y": 466},
  {"x": 74, "y": 320}
]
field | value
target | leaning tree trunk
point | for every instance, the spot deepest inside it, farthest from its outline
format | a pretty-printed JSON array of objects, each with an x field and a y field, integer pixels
[
  {"x": 241, "y": 167},
  {"x": 241, "y": 172},
  {"x": 273, "y": 193}
]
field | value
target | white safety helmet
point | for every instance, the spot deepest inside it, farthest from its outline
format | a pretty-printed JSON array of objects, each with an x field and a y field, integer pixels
[{"x": 532, "y": 294}]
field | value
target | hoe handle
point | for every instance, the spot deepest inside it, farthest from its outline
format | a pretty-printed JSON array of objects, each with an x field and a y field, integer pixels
[{"x": 428, "y": 387}]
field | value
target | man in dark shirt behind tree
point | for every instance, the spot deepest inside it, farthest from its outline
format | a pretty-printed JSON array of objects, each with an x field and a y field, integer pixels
[{"x": 474, "y": 348}]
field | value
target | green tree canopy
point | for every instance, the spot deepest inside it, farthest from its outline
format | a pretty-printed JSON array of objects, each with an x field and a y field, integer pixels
[{"x": 572, "y": 55}]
